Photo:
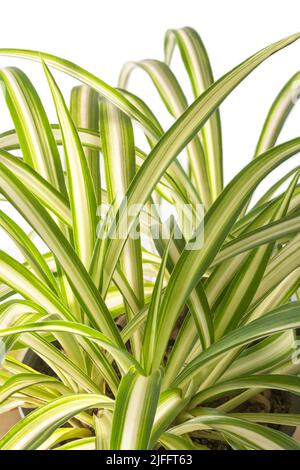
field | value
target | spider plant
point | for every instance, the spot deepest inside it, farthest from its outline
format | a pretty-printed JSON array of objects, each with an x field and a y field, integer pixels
[{"x": 151, "y": 344}]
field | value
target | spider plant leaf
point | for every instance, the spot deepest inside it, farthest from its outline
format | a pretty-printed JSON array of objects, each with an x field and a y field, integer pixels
[
  {"x": 190, "y": 268},
  {"x": 278, "y": 114},
  {"x": 281, "y": 266},
  {"x": 272, "y": 231},
  {"x": 175, "y": 174},
  {"x": 29, "y": 250},
  {"x": 68, "y": 371},
  {"x": 84, "y": 110},
  {"x": 249, "y": 434},
  {"x": 119, "y": 161},
  {"x": 276, "y": 382},
  {"x": 171, "y": 442},
  {"x": 121, "y": 356},
  {"x": 146, "y": 111},
  {"x": 197, "y": 302},
  {"x": 39, "y": 187},
  {"x": 34, "y": 131},
  {"x": 102, "y": 425},
  {"x": 27, "y": 284},
  {"x": 62, "y": 435},
  {"x": 283, "y": 419},
  {"x": 262, "y": 357},
  {"x": 86, "y": 443},
  {"x": 21, "y": 381},
  {"x": 177, "y": 137},
  {"x": 280, "y": 319},
  {"x": 108, "y": 92},
  {"x": 247, "y": 279},
  {"x": 170, "y": 403},
  {"x": 176, "y": 103},
  {"x": 198, "y": 67},
  {"x": 273, "y": 189},
  {"x": 150, "y": 334},
  {"x": 278, "y": 295},
  {"x": 79, "y": 279},
  {"x": 134, "y": 412},
  {"x": 32, "y": 431},
  {"x": 80, "y": 184}
]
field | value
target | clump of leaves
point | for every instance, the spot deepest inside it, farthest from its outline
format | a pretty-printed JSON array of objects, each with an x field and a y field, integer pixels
[{"x": 143, "y": 335}]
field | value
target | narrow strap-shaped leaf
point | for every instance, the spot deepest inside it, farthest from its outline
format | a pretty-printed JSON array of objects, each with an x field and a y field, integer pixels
[
  {"x": 272, "y": 190},
  {"x": 226, "y": 208},
  {"x": 27, "y": 284},
  {"x": 102, "y": 425},
  {"x": 121, "y": 356},
  {"x": 86, "y": 443},
  {"x": 282, "y": 265},
  {"x": 119, "y": 162},
  {"x": 33, "y": 430},
  {"x": 29, "y": 250},
  {"x": 172, "y": 442},
  {"x": 197, "y": 64},
  {"x": 34, "y": 131},
  {"x": 39, "y": 219},
  {"x": 170, "y": 403},
  {"x": 288, "y": 383},
  {"x": 242, "y": 289},
  {"x": 64, "y": 367},
  {"x": 178, "y": 136},
  {"x": 39, "y": 187},
  {"x": 135, "y": 409},
  {"x": 283, "y": 419},
  {"x": 263, "y": 356},
  {"x": 277, "y": 115},
  {"x": 199, "y": 308},
  {"x": 176, "y": 103},
  {"x": 84, "y": 109},
  {"x": 283, "y": 318},
  {"x": 22, "y": 381},
  {"x": 150, "y": 333},
  {"x": 112, "y": 94},
  {"x": 246, "y": 433},
  {"x": 175, "y": 174},
  {"x": 62, "y": 435},
  {"x": 81, "y": 194},
  {"x": 273, "y": 231}
]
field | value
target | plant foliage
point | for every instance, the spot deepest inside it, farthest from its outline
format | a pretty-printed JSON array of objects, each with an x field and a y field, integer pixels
[{"x": 144, "y": 343}]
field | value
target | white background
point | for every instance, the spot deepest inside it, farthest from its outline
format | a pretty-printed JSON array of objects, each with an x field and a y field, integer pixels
[{"x": 102, "y": 35}]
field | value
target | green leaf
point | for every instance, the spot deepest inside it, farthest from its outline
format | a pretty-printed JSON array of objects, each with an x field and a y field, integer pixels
[
  {"x": 84, "y": 110},
  {"x": 176, "y": 103},
  {"x": 279, "y": 382},
  {"x": 22, "y": 381},
  {"x": 177, "y": 137},
  {"x": 29, "y": 250},
  {"x": 197, "y": 64},
  {"x": 79, "y": 279},
  {"x": 32, "y": 431},
  {"x": 246, "y": 433},
  {"x": 112, "y": 94},
  {"x": 190, "y": 268},
  {"x": 34, "y": 132},
  {"x": 135, "y": 409},
  {"x": 80, "y": 184},
  {"x": 283, "y": 318}
]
